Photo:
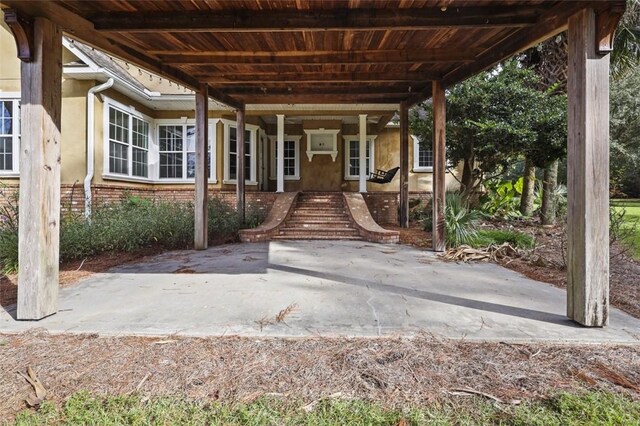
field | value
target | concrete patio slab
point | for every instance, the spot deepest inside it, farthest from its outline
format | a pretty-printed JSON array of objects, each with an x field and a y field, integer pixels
[{"x": 339, "y": 288}]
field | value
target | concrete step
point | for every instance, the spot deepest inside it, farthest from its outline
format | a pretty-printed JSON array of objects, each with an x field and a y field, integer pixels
[
  {"x": 319, "y": 204},
  {"x": 319, "y": 212}
]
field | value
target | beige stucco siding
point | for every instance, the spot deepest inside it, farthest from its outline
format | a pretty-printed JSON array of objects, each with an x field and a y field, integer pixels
[{"x": 9, "y": 62}]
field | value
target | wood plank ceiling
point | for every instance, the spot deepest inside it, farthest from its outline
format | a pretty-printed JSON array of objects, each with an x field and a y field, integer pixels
[{"x": 299, "y": 51}]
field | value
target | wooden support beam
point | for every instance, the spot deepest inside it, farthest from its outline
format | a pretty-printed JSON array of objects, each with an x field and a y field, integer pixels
[
  {"x": 588, "y": 175},
  {"x": 234, "y": 21},
  {"x": 331, "y": 57},
  {"x": 374, "y": 98},
  {"x": 240, "y": 162},
  {"x": 404, "y": 165},
  {"x": 202, "y": 169},
  {"x": 39, "y": 204},
  {"x": 316, "y": 77},
  {"x": 439, "y": 166}
]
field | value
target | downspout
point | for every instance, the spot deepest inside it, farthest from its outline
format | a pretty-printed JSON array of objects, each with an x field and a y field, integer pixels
[{"x": 91, "y": 143}]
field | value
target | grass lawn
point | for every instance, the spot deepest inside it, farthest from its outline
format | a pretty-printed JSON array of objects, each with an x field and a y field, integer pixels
[
  {"x": 593, "y": 408},
  {"x": 632, "y": 215}
]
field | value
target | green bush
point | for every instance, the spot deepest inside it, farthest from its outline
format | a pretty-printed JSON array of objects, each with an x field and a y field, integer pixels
[
  {"x": 127, "y": 226},
  {"x": 487, "y": 237},
  {"x": 460, "y": 221}
]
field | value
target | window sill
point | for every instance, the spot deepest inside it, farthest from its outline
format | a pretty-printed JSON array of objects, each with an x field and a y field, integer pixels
[
  {"x": 152, "y": 181},
  {"x": 9, "y": 175},
  {"x": 354, "y": 177},
  {"x": 286, "y": 178},
  {"x": 422, "y": 170},
  {"x": 233, "y": 182}
]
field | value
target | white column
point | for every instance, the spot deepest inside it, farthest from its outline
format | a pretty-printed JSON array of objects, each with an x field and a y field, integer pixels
[
  {"x": 280, "y": 153},
  {"x": 363, "y": 153}
]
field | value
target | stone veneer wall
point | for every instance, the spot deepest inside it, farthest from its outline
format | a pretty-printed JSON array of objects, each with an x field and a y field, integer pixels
[{"x": 384, "y": 205}]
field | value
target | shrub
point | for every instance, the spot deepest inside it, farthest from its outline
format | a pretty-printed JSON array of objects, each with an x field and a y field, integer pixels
[
  {"x": 502, "y": 198},
  {"x": 487, "y": 237},
  {"x": 460, "y": 221},
  {"x": 130, "y": 225}
]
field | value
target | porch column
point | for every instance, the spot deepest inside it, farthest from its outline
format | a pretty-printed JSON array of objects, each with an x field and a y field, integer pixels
[
  {"x": 39, "y": 228},
  {"x": 363, "y": 153},
  {"x": 404, "y": 165},
  {"x": 588, "y": 175},
  {"x": 280, "y": 153},
  {"x": 202, "y": 168},
  {"x": 439, "y": 164},
  {"x": 240, "y": 160}
]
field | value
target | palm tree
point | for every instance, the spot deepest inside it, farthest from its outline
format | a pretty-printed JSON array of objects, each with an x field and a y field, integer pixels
[{"x": 550, "y": 61}]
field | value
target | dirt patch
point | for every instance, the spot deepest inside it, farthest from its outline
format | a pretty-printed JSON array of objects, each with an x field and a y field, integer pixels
[
  {"x": 548, "y": 264},
  {"x": 392, "y": 372},
  {"x": 412, "y": 236}
]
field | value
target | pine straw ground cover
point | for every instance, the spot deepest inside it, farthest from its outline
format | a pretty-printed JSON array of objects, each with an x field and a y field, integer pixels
[{"x": 392, "y": 372}]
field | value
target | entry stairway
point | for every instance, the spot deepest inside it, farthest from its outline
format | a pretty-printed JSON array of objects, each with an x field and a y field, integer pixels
[{"x": 318, "y": 216}]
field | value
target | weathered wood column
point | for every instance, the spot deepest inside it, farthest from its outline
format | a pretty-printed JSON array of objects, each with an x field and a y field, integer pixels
[
  {"x": 439, "y": 165},
  {"x": 362, "y": 149},
  {"x": 39, "y": 229},
  {"x": 240, "y": 160},
  {"x": 202, "y": 168},
  {"x": 588, "y": 175},
  {"x": 280, "y": 153},
  {"x": 404, "y": 165}
]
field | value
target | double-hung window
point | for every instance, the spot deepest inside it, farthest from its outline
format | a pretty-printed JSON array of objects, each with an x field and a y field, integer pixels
[
  {"x": 352, "y": 156},
  {"x": 422, "y": 156},
  {"x": 291, "y": 157},
  {"x": 177, "y": 149},
  {"x": 9, "y": 136},
  {"x": 231, "y": 152},
  {"x": 128, "y": 137}
]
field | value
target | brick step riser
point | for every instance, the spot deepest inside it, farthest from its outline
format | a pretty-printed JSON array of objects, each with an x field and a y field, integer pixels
[
  {"x": 319, "y": 205},
  {"x": 325, "y": 221},
  {"x": 313, "y": 237},
  {"x": 330, "y": 213},
  {"x": 312, "y": 226},
  {"x": 335, "y": 233}
]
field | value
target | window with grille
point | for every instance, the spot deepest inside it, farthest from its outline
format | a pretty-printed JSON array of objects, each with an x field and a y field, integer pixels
[
  {"x": 9, "y": 134},
  {"x": 291, "y": 157},
  {"x": 233, "y": 154},
  {"x": 422, "y": 156},
  {"x": 352, "y": 158}
]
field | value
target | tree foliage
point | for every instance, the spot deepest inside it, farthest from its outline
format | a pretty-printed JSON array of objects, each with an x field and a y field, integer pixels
[
  {"x": 625, "y": 134},
  {"x": 493, "y": 119}
]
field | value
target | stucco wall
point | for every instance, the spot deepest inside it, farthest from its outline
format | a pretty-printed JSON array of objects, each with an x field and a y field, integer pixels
[{"x": 9, "y": 62}]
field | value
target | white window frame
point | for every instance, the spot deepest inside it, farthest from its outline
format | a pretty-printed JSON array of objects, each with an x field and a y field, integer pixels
[
  {"x": 274, "y": 143},
  {"x": 132, "y": 112},
  {"x": 347, "y": 140},
  {"x": 183, "y": 121},
  {"x": 416, "y": 157},
  {"x": 253, "y": 129},
  {"x": 154, "y": 147},
  {"x": 15, "y": 98}
]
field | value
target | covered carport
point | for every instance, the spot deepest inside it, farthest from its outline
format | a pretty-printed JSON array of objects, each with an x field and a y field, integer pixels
[{"x": 294, "y": 52}]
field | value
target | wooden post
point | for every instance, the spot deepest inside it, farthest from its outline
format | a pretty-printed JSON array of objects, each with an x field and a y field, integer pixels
[
  {"x": 404, "y": 165},
  {"x": 588, "y": 175},
  {"x": 439, "y": 165},
  {"x": 240, "y": 160},
  {"x": 39, "y": 228},
  {"x": 280, "y": 153},
  {"x": 362, "y": 181},
  {"x": 202, "y": 168}
]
